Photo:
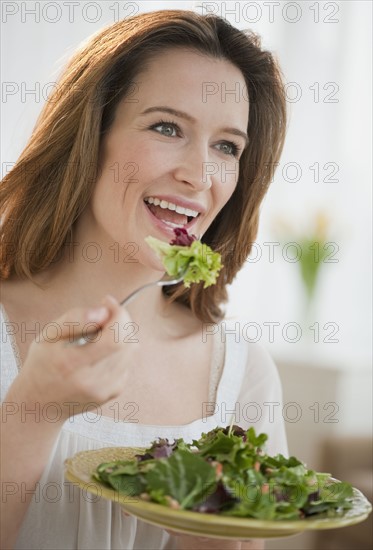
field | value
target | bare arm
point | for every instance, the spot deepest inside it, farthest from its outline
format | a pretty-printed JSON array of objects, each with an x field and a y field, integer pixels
[{"x": 53, "y": 373}]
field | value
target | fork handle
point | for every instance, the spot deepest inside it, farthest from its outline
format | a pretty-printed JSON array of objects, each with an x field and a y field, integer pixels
[{"x": 131, "y": 296}]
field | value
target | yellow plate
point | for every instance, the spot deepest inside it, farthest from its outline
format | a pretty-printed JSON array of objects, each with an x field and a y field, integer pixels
[{"x": 80, "y": 467}]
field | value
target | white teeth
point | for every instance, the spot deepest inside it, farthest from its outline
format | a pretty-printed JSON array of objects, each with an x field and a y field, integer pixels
[
  {"x": 171, "y": 206},
  {"x": 180, "y": 210},
  {"x": 171, "y": 224}
]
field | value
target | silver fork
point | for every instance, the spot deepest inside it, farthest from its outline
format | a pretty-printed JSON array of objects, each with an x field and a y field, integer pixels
[{"x": 165, "y": 280}]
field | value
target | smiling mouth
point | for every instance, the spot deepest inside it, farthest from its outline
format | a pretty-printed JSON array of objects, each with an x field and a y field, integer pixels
[{"x": 170, "y": 213}]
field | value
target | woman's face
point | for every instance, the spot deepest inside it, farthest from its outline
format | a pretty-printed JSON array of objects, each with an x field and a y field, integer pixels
[{"x": 170, "y": 158}]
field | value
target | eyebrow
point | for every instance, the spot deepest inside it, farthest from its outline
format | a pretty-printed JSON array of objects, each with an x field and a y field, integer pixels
[{"x": 189, "y": 118}]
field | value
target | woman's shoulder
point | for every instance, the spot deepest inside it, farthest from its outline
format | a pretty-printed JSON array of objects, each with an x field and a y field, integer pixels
[
  {"x": 248, "y": 360},
  {"x": 245, "y": 338},
  {"x": 260, "y": 399},
  {"x": 8, "y": 353},
  {"x": 249, "y": 370}
]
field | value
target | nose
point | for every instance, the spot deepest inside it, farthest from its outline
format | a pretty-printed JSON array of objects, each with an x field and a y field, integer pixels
[{"x": 194, "y": 168}]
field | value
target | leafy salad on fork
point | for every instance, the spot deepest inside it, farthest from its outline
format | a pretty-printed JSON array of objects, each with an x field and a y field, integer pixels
[{"x": 186, "y": 253}]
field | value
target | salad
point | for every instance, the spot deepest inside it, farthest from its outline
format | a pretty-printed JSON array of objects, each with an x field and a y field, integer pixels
[
  {"x": 185, "y": 253},
  {"x": 227, "y": 472}
]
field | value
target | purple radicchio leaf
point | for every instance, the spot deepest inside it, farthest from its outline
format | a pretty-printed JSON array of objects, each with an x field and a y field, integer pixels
[
  {"x": 236, "y": 430},
  {"x": 220, "y": 499},
  {"x": 161, "y": 448},
  {"x": 182, "y": 238}
]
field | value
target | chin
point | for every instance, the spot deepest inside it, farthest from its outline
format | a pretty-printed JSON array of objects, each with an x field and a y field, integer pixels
[{"x": 151, "y": 261}]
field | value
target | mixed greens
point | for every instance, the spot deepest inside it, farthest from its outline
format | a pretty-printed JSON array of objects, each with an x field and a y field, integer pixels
[
  {"x": 227, "y": 472},
  {"x": 186, "y": 254}
]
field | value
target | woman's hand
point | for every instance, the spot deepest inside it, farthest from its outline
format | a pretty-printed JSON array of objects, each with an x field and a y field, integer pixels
[
  {"x": 189, "y": 542},
  {"x": 72, "y": 377}
]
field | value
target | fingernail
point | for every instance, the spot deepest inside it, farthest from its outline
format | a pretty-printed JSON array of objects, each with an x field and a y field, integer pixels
[{"x": 97, "y": 314}]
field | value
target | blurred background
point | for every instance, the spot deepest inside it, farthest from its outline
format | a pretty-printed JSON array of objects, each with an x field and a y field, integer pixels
[{"x": 305, "y": 291}]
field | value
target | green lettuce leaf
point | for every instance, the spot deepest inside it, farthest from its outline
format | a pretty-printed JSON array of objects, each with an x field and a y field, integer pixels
[
  {"x": 184, "y": 476},
  {"x": 199, "y": 260}
]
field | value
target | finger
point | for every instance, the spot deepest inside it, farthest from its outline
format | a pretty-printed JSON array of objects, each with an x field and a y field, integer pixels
[
  {"x": 75, "y": 322},
  {"x": 110, "y": 350},
  {"x": 105, "y": 320}
]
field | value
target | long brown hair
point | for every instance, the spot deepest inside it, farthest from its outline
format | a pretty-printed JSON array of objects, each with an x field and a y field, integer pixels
[{"x": 51, "y": 184}]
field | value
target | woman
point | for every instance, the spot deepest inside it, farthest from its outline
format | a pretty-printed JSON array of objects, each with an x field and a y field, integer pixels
[{"x": 142, "y": 134}]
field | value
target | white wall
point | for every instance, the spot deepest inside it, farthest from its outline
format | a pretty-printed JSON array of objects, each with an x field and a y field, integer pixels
[
  {"x": 319, "y": 132},
  {"x": 330, "y": 50}
]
